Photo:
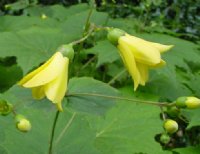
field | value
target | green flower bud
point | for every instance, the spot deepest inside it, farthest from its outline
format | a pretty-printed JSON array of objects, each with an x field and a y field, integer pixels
[
  {"x": 5, "y": 107},
  {"x": 192, "y": 102},
  {"x": 22, "y": 123},
  {"x": 188, "y": 102},
  {"x": 173, "y": 111},
  {"x": 67, "y": 51},
  {"x": 180, "y": 102},
  {"x": 164, "y": 138},
  {"x": 114, "y": 34},
  {"x": 170, "y": 126}
]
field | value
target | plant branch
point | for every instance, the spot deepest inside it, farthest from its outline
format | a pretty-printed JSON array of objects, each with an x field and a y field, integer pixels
[
  {"x": 92, "y": 28},
  {"x": 121, "y": 98},
  {"x": 53, "y": 132}
]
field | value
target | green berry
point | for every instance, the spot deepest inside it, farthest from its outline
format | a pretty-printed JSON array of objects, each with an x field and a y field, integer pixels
[{"x": 164, "y": 138}]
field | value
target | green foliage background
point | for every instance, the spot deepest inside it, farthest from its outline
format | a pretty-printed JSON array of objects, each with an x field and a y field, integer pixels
[{"x": 95, "y": 125}]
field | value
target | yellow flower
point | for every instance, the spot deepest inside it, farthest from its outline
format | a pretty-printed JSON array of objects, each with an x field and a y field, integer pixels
[
  {"x": 49, "y": 80},
  {"x": 139, "y": 56}
]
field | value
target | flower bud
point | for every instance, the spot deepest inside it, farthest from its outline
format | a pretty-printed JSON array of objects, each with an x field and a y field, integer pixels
[
  {"x": 5, "y": 107},
  {"x": 114, "y": 34},
  {"x": 188, "y": 102},
  {"x": 180, "y": 102},
  {"x": 173, "y": 111},
  {"x": 170, "y": 126},
  {"x": 67, "y": 51},
  {"x": 22, "y": 123},
  {"x": 192, "y": 102},
  {"x": 164, "y": 138}
]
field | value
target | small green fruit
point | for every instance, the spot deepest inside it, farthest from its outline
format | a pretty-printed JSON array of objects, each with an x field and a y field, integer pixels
[
  {"x": 164, "y": 138},
  {"x": 173, "y": 111},
  {"x": 170, "y": 126}
]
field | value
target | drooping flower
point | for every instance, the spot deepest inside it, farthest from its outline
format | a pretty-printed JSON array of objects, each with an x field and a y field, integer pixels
[
  {"x": 49, "y": 80},
  {"x": 138, "y": 55}
]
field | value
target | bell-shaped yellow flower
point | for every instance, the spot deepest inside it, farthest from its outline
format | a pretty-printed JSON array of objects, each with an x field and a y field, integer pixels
[
  {"x": 139, "y": 56},
  {"x": 49, "y": 80}
]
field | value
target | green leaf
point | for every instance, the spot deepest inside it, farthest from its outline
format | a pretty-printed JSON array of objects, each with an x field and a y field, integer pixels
[
  {"x": 16, "y": 23},
  {"x": 28, "y": 142},
  {"x": 193, "y": 117},
  {"x": 9, "y": 76},
  {"x": 75, "y": 24},
  {"x": 130, "y": 127},
  {"x": 74, "y": 135},
  {"x": 58, "y": 12},
  {"x": 90, "y": 103},
  {"x": 32, "y": 46},
  {"x": 188, "y": 150},
  {"x": 107, "y": 53}
]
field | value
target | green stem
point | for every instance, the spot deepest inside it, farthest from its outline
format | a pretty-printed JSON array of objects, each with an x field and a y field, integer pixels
[
  {"x": 53, "y": 132},
  {"x": 116, "y": 76},
  {"x": 121, "y": 98},
  {"x": 92, "y": 28},
  {"x": 163, "y": 113}
]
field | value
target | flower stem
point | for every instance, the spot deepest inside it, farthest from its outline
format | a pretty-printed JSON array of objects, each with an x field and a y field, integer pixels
[
  {"x": 53, "y": 132},
  {"x": 159, "y": 104},
  {"x": 92, "y": 28}
]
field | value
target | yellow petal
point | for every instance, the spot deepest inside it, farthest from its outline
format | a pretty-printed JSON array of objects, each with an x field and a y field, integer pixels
[
  {"x": 161, "y": 64},
  {"x": 129, "y": 61},
  {"x": 161, "y": 47},
  {"x": 144, "y": 75},
  {"x": 47, "y": 73},
  {"x": 56, "y": 89},
  {"x": 143, "y": 52},
  {"x": 33, "y": 73},
  {"x": 38, "y": 92}
]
